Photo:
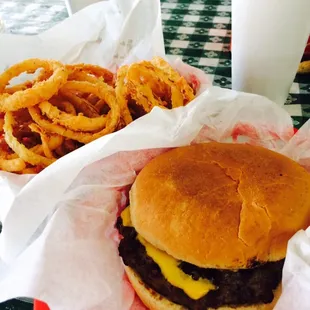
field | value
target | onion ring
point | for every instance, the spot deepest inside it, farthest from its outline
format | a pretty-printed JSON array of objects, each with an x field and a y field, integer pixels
[
  {"x": 131, "y": 91},
  {"x": 143, "y": 86},
  {"x": 174, "y": 76},
  {"x": 84, "y": 77},
  {"x": 81, "y": 105},
  {"x": 92, "y": 99},
  {"x": 63, "y": 104},
  {"x": 100, "y": 106},
  {"x": 164, "y": 66},
  {"x": 31, "y": 170},
  {"x": 23, "y": 86},
  {"x": 12, "y": 165},
  {"x": 80, "y": 122},
  {"x": 77, "y": 123},
  {"x": 97, "y": 71},
  {"x": 45, "y": 147},
  {"x": 39, "y": 92},
  {"x": 139, "y": 76},
  {"x": 53, "y": 142},
  {"x": 121, "y": 90},
  {"x": 19, "y": 87},
  {"x": 84, "y": 137},
  {"x": 66, "y": 106},
  {"x": 24, "y": 153},
  {"x": 1, "y": 124}
]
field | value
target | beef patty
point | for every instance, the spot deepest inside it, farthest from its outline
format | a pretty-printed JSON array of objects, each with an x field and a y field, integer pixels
[{"x": 234, "y": 287}]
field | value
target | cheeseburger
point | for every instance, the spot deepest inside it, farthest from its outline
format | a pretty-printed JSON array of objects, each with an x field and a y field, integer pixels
[{"x": 208, "y": 226}]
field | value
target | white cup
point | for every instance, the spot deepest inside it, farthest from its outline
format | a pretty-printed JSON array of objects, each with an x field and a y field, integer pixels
[
  {"x": 268, "y": 41},
  {"x": 2, "y": 27},
  {"x": 76, "y": 5}
]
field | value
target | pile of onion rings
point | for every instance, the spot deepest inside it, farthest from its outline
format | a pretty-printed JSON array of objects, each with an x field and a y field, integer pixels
[{"x": 64, "y": 107}]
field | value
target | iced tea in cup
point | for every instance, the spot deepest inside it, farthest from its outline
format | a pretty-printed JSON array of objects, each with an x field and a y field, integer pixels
[{"x": 268, "y": 41}]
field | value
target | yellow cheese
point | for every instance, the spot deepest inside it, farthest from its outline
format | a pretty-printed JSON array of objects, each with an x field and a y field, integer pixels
[
  {"x": 125, "y": 216},
  {"x": 169, "y": 267}
]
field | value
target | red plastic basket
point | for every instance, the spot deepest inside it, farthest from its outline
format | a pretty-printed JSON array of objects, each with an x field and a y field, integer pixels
[{"x": 39, "y": 305}]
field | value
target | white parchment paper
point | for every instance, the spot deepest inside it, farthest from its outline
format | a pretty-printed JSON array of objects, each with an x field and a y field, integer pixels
[{"x": 58, "y": 243}]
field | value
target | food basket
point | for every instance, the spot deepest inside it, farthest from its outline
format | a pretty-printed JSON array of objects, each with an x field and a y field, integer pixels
[{"x": 39, "y": 305}]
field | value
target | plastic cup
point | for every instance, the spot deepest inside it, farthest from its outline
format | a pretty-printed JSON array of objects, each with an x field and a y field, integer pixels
[
  {"x": 268, "y": 41},
  {"x": 2, "y": 27}
]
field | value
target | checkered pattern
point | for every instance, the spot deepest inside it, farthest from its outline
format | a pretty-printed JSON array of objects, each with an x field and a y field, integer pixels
[
  {"x": 199, "y": 32},
  {"x": 31, "y": 16}
]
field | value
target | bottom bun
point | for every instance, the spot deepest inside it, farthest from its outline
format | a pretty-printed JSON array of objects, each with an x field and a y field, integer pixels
[{"x": 154, "y": 301}]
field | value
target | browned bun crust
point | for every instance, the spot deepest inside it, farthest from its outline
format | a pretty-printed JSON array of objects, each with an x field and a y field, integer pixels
[
  {"x": 219, "y": 205},
  {"x": 154, "y": 301}
]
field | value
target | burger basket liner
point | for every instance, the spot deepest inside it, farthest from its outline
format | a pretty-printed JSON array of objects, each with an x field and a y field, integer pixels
[{"x": 58, "y": 242}]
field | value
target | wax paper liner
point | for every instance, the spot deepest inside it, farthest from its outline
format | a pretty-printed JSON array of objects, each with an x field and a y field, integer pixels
[
  {"x": 58, "y": 242},
  {"x": 77, "y": 251}
]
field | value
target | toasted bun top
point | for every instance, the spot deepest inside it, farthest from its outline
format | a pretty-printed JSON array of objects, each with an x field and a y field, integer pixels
[{"x": 221, "y": 205}]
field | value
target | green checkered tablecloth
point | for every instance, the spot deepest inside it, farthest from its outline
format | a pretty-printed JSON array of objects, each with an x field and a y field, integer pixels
[{"x": 199, "y": 32}]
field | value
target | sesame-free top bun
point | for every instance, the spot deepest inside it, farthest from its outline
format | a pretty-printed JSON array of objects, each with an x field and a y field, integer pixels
[
  {"x": 221, "y": 205},
  {"x": 154, "y": 301}
]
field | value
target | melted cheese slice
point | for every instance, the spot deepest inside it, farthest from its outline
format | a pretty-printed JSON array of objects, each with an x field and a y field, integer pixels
[
  {"x": 126, "y": 219},
  {"x": 169, "y": 267}
]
